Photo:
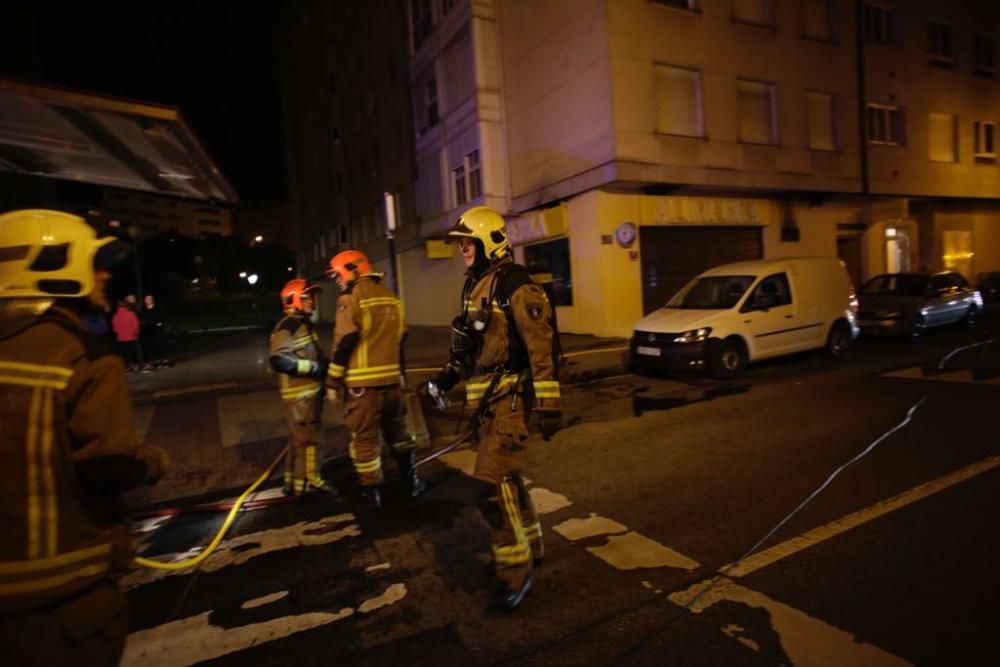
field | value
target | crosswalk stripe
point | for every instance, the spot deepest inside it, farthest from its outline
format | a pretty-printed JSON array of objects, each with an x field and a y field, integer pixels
[{"x": 964, "y": 376}]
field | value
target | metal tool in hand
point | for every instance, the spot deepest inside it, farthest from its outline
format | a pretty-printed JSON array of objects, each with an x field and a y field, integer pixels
[{"x": 438, "y": 396}]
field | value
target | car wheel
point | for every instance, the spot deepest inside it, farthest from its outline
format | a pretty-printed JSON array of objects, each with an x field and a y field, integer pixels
[
  {"x": 969, "y": 321},
  {"x": 728, "y": 360},
  {"x": 915, "y": 328},
  {"x": 838, "y": 341}
]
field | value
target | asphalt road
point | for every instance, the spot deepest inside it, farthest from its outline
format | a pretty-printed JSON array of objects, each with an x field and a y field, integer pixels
[{"x": 655, "y": 487}]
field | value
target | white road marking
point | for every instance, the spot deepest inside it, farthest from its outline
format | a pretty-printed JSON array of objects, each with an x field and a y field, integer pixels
[
  {"x": 633, "y": 551},
  {"x": 392, "y": 595},
  {"x": 806, "y": 641},
  {"x": 377, "y": 568},
  {"x": 546, "y": 501},
  {"x": 195, "y": 639},
  {"x": 232, "y": 551},
  {"x": 783, "y": 550},
  {"x": 264, "y": 600},
  {"x": 163, "y": 393},
  {"x": 149, "y": 525},
  {"x": 913, "y": 373},
  {"x": 579, "y": 529},
  {"x": 954, "y": 376},
  {"x": 964, "y": 376},
  {"x": 736, "y": 632}
]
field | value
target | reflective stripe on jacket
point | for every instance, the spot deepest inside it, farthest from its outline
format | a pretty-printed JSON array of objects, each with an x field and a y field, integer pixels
[
  {"x": 369, "y": 330},
  {"x": 293, "y": 338},
  {"x": 533, "y": 319},
  {"x": 64, "y": 402}
]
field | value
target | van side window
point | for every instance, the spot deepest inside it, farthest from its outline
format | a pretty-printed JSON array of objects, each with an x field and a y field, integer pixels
[{"x": 771, "y": 292}]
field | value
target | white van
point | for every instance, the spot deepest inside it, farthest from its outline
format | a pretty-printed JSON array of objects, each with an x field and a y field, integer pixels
[{"x": 742, "y": 312}]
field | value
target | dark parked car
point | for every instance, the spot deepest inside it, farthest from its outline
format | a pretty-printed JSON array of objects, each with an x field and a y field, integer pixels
[
  {"x": 989, "y": 285},
  {"x": 906, "y": 304}
]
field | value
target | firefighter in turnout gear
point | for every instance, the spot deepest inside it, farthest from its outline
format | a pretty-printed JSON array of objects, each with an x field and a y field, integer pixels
[
  {"x": 505, "y": 342},
  {"x": 296, "y": 356},
  {"x": 67, "y": 447},
  {"x": 365, "y": 374}
]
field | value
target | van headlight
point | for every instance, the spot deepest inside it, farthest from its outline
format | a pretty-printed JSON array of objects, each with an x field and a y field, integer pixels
[{"x": 694, "y": 336}]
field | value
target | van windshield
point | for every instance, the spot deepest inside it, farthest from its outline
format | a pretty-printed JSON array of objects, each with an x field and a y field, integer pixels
[{"x": 711, "y": 292}]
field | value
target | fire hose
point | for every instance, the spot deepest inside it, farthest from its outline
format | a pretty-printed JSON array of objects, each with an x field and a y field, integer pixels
[{"x": 226, "y": 525}]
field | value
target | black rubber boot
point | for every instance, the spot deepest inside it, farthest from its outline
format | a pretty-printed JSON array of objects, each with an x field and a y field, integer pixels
[
  {"x": 372, "y": 497},
  {"x": 408, "y": 473},
  {"x": 509, "y": 598}
]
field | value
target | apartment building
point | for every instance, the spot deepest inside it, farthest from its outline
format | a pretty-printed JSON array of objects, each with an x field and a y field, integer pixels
[
  {"x": 349, "y": 131},
  {"x": 147, "y": 213},
  {"x": 932, "y": 103},
  {"x": 634, "y": 143}
]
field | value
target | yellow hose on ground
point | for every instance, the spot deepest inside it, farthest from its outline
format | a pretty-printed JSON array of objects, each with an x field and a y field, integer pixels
[{"x": 226, "y": 525}]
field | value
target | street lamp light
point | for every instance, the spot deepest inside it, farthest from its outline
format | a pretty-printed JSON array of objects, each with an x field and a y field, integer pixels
[
  {"x": 252, "y": 278},
  {"x": 258, "y": 238},
  {"x": 243, "y": 274},
  {"x": 390, "y": 228}
]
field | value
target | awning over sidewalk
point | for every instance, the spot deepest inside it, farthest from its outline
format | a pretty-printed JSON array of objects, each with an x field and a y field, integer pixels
[{"x": 105, "y": 141}]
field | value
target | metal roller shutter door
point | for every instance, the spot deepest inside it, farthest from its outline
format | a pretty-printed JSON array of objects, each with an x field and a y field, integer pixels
[{"x": 671, "y": 256}]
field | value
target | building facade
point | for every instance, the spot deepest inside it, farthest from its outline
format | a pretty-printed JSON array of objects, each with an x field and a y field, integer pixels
[
  {"x": 350, "y": 138},
  {"x": 634, "y": 143},
  {"x": 150, "y": 214}
]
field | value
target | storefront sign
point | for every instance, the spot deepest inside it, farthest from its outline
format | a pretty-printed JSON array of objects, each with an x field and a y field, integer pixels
[
  {"x": 703, "y": 211},
  {"x": 537, "y": 225}
]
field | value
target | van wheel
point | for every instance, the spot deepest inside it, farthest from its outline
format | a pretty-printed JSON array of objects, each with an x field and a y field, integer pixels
[
  {"x": 838, "y": 341},
  {"x": 728, "y": 359}
]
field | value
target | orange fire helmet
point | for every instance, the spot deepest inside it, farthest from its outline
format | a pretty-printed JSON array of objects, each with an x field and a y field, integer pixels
[
  {"x": 349, "y": 265},
  {"x": 294, "y": 290}
]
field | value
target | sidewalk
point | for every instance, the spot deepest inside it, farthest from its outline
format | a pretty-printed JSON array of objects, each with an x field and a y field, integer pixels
[{"x": 237, "y": 362}]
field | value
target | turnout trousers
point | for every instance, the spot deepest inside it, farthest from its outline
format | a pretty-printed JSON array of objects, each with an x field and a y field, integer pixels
[
  {"x": 301, "y": 467},
  {"x": 506, "y": 507},
  {"x": 370, "y": 412}
]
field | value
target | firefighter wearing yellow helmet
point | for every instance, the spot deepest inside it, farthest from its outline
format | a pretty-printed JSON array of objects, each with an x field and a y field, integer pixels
[
  {"x": 365, "y": 373},
  {"x": 296, "y": 357},
  {"x": 68, "y": 447},
  {"x": 505, "y": 342}
]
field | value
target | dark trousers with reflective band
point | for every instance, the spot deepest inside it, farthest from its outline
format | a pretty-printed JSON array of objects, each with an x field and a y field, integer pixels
[
  {"x": 515, "y": 531},
  {"x": 303, "y": 416},
  {"x": 369, "y": 411},
  {"x": 88, "y": 629}
]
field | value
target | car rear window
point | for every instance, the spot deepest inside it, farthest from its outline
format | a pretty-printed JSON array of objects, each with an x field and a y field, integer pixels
[{"x": 897, "y": 284}]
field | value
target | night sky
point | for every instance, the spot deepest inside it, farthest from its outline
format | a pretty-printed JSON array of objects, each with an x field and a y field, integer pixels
[{"x": 216, "y": 61}]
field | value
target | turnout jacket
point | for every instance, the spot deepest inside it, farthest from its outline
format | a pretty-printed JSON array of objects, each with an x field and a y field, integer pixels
[
  {"x": 296, "y": 357},
  {"x": 68, "y": 450},
  {"x": 367, "y": 336},
  {"x": 519, "y": 343}
]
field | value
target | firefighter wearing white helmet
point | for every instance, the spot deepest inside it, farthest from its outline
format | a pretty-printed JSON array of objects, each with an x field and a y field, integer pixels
[
  {"x": 68, "y": 444},
  {"x": 505, "y": 342}
]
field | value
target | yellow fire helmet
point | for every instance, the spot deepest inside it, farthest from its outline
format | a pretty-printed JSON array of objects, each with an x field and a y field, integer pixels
[
  {"x": 47, "y": 254},
  {"x": 485, "y": 224}
]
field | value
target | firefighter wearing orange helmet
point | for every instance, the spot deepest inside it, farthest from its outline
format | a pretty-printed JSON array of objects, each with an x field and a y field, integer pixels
[
  {"x": 365, "y": 373},
  {"x": 68, "y": 448},
  {"x": 296, "y": 356},
  {"x": 505, "y": 341}
]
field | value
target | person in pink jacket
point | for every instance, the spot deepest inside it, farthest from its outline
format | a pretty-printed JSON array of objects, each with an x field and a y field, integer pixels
[{"x": 125, "y": 324}]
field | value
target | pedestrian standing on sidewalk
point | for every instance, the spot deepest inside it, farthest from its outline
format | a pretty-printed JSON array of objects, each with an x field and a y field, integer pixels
[
  {"x": 505, "y": 341},
  {"x": 67, "y": 448},
  {"x": 152, "y": 333},
  {"x": 365, "y": 374},
  {"x": 296, "y": 356},
  {"x": 125, "y": 324}
]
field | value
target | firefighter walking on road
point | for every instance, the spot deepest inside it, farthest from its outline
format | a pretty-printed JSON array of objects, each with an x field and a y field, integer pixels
[
  {"x": 505, "y": 341},
  {"x": 67, "y": 448},
  {"x": 365, "y": 373},
  {"x": 296, "y": 356}
]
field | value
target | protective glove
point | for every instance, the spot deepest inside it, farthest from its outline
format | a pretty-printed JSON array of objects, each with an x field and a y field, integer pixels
[
  {"x": 446, "y": 379},
  {"x": 550, "y": 421},
  {"x": 319, "y": 373}
]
